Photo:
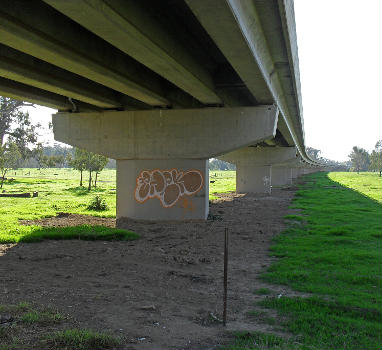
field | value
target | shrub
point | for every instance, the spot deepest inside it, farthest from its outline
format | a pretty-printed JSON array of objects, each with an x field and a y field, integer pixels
[{"x": 98, "y": 203}]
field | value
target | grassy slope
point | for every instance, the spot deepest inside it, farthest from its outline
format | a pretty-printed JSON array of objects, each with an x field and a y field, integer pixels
[{"x": 333, "y": 251}]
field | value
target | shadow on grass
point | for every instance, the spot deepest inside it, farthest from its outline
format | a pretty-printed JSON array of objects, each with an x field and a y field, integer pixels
[
  {"x": 83, "y": 191},
  {"x": 83, "y": 232}
]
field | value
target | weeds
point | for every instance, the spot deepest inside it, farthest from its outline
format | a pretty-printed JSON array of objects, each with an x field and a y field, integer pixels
[{"x": 98, "y": 203}]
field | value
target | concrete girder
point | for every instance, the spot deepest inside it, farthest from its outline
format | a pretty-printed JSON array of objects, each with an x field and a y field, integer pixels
[
  {"x": 240, "y": 36},
  {"x": 78, "y": 51},
  {"x": 22, "y": 92},
  {"x": 29, "y": 70},
  {"x": 167, "y": 134},
  {"x": 127, "y": 26}
]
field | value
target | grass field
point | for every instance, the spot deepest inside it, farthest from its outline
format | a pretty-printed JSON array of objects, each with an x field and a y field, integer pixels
[
  {"x": 59, "y": 191},
  {"x": 332, "y": 252}
]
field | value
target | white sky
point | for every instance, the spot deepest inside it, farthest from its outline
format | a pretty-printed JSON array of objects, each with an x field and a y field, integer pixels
[{"x": 340, "y": 66}]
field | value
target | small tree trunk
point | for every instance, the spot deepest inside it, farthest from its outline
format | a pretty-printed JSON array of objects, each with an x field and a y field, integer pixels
[
  {"x": 380, "y": 173},
  {"x": 81, "y": 178},
  {"x": 90, "y": 181},
  {"x": 95, "y": 181},
  {"x": 2, "y": 178}
]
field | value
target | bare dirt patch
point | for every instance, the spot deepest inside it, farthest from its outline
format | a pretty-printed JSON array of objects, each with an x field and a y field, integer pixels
[
  {"x": 67, "y": 219},
  {"x": 163, "y": 291}
]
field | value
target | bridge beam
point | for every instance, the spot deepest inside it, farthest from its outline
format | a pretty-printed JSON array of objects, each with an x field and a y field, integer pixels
[
  {"x": 162, "y": 155},
  {"x": 65, "y": 44},
  {"x": 128, "y": 26},
  {"x": 31, "y": 71},
  {"x": 254, "y": 166},
  {"x": 22, "y": 92}
]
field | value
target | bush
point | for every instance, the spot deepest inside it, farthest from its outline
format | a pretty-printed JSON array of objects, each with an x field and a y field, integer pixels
[{"x": 98, "y": 203}]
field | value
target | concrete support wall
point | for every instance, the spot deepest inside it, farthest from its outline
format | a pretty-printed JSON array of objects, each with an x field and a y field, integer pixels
[
  {"x": 253, "y": 166},
  {"x": 295, "y": 173},
  {"x": 281, "y": 176},
  {"x": 175, "y": 189},
  {"x": 253, "y": 178}
]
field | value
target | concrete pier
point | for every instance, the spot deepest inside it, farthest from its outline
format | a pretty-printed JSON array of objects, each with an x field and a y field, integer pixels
[
  {"x": 254, "y": 166},
  {"x": 253, "y": 179},
  {"x": 281, "y": 176}
]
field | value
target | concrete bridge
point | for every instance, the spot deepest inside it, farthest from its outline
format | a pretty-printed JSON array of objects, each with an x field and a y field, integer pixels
[{"x": 162, "y": 86}]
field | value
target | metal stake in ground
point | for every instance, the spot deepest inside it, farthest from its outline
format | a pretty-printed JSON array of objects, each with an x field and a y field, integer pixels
[{"x": 225, "y": 276}]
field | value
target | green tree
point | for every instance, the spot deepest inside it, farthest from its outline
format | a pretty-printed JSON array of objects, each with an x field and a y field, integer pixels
[
  {"x": 16, "y": 126},
  {"x": 313, "y": 153},
  {"x": 9, "y": 157},
  {"x": 376, "y": 158},
  {"x": 99, "y": 164},
  {"x": 217, "y": 164},
  {"x": 94, "y": 163},
  {"x": 360, "y": 159},
  {"x": 79, "y": 161},
  {"x": 38, "y": 154}
]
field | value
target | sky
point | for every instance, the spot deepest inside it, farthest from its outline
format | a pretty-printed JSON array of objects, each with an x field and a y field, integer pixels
[{"x": 339, "y": 44}]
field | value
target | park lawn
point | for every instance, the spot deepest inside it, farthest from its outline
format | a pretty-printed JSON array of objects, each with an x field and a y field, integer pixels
[
  {"x": 333, "y": 254},
  {"x": 59, "y": 191}
]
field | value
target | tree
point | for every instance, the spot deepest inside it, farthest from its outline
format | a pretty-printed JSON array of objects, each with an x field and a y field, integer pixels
[
  {"x": 85, "y": 160},
  {"x": 376, "y": 158},
  {"x": 313, "y": 153},
  {"x": 217, "y": 164},
  {"x": 79, "y": 161},
  {"x": 99, "y": 163},
  {"x": 94, "y": 163},
  {"x": 16, "y": 126},
  {"x": 9, "y": 156},
  {"x": 38, "y": 154},
  {"x": 360, "y": 159}
]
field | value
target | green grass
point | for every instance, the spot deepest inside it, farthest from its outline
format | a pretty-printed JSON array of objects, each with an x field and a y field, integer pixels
[
  {"x": 41, "y": 317},
  {"x": 263, "y": 291},
  {"x": 80, "y": 339},
  {"x": 59, "y": 191},
  {"x": 222, "y": 182},
  {"x": 35, "y": 326},
  {"x": 335, "y": 256}
]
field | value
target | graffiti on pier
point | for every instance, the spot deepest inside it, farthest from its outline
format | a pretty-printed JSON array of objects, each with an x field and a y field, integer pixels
[{"x": 167, "y": 185}]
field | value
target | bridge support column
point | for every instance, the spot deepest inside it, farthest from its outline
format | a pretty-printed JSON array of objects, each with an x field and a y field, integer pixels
[
  {"x": 252, "y": 178},
  {"x": 295, "y": 173},
  {"x": 254, "y": 166},
  {"x": 281, "y": 175},
  {"x": 173, "y": 189}
]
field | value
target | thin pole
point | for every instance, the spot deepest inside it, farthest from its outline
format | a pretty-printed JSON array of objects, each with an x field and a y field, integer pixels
[{"x": 225, "y": 276}]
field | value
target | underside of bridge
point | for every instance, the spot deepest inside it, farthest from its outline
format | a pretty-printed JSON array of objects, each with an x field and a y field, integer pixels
[{"x": 162, "y": 86}]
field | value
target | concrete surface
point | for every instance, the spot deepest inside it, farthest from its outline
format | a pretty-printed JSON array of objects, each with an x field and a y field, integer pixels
[{"x": 162, "y": 189}]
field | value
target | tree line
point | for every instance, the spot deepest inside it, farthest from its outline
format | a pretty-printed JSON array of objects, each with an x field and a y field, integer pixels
[
  {"x": 19, "y": 146},
  {"x": 362, "y": 160}
]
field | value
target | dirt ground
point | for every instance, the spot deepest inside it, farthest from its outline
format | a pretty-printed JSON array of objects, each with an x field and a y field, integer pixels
[{"x": 163, "y": 291}]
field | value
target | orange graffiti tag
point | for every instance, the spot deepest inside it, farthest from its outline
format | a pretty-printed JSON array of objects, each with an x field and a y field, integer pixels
[{"x": 167, "y": 185}]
